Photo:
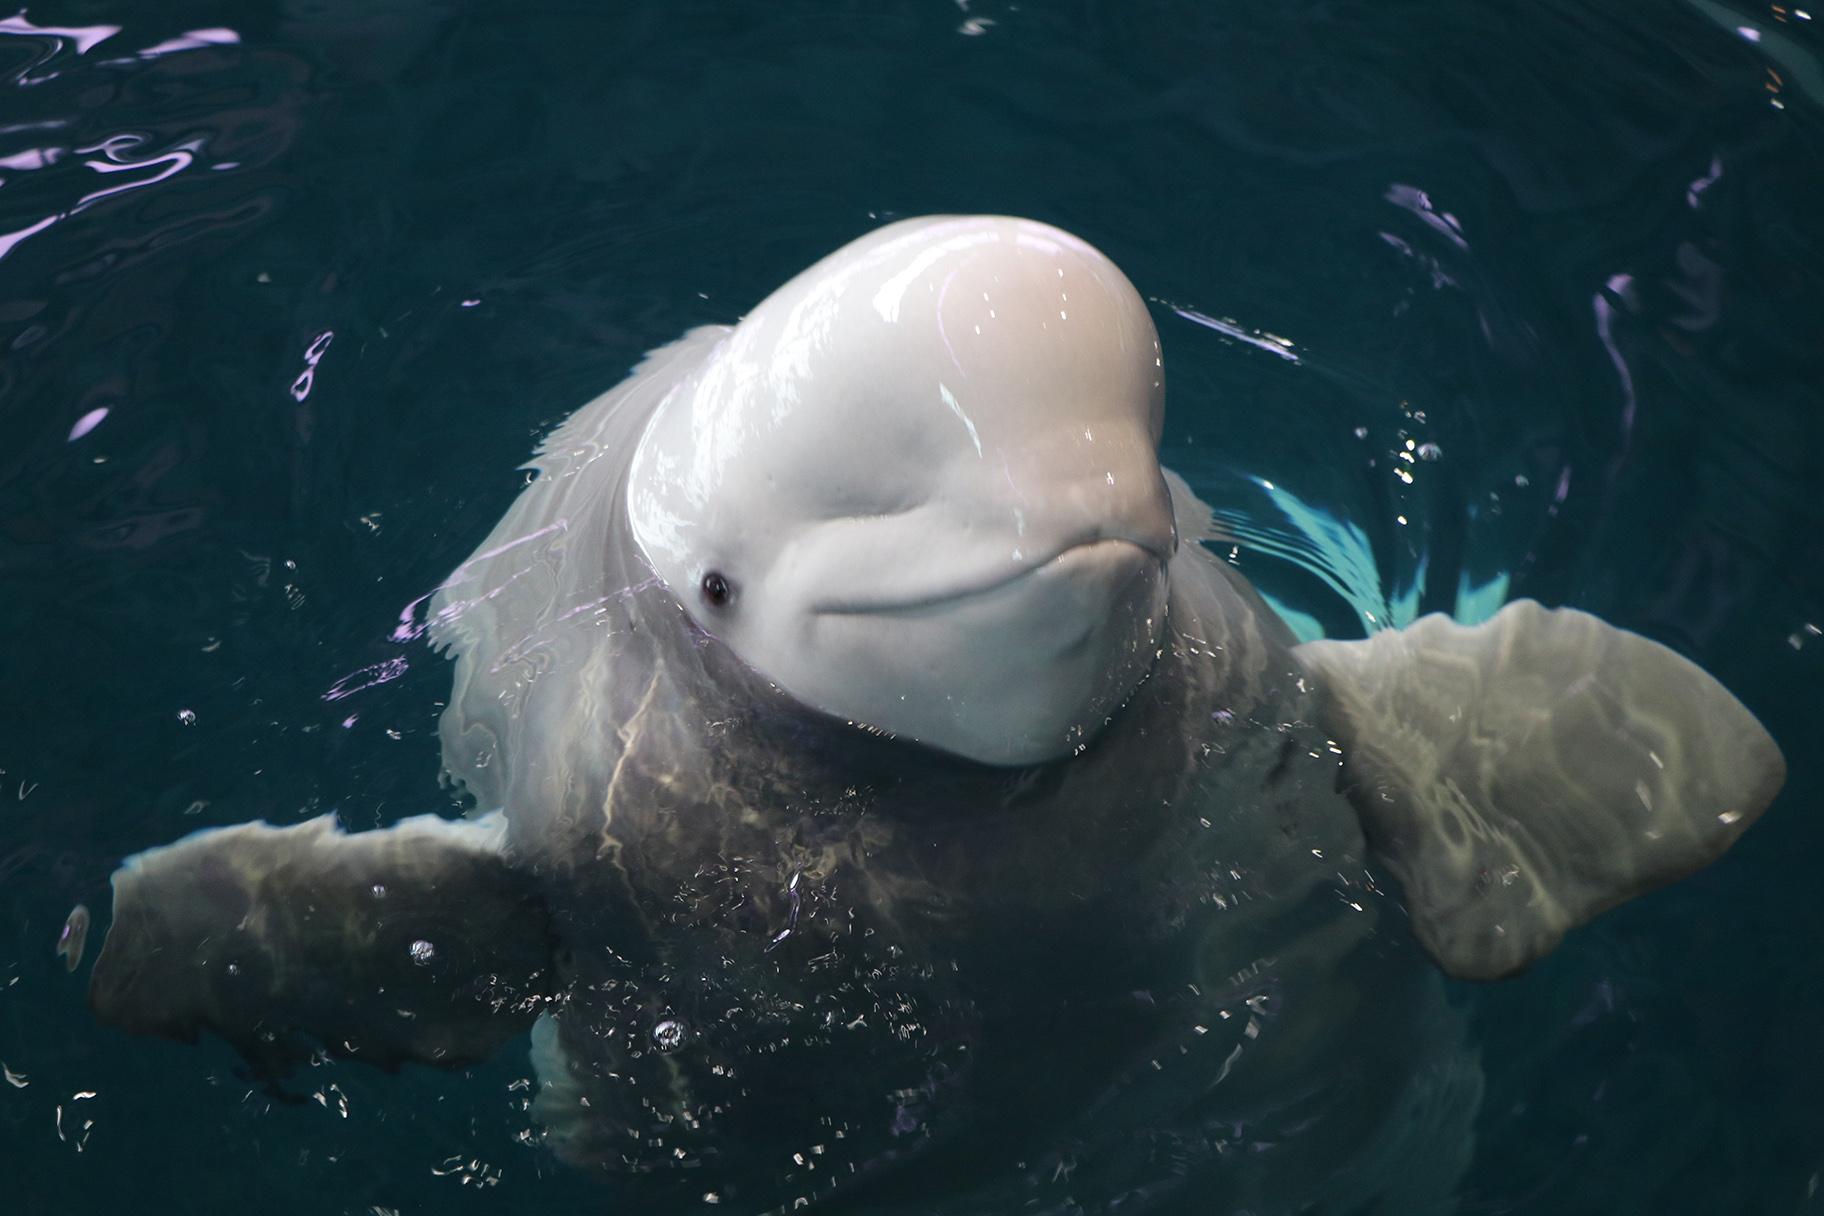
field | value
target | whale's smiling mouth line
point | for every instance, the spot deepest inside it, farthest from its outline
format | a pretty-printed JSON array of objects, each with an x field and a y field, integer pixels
[{"x": 981, "y": 588}]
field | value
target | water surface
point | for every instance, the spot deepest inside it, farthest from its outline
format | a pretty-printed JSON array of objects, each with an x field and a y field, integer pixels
[{"x": 288, "y": 291}]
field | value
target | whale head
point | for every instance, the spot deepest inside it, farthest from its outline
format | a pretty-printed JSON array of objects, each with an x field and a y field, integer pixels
[{"x": 917, "y": 488}]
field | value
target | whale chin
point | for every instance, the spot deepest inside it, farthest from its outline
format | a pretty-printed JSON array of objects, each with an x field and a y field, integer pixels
[{"x": 1019, "y": 672}]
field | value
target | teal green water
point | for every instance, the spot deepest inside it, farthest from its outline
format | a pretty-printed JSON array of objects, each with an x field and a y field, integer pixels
[{"x": 288, "y": 291}]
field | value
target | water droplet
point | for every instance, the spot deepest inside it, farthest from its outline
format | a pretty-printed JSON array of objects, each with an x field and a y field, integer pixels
[
  {"x": 423, "y": 952},
  {"x": 668, "y": 1035}
]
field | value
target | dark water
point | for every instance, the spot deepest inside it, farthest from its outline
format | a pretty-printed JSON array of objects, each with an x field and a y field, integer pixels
[{"x": 290, "y": 290}]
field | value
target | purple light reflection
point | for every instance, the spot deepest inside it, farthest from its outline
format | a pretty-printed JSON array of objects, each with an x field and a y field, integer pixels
[
  {"x": 86, "y": 37},
  {"x": 365, "y": 678},
  {"x": 32, "y": 158},
  {"x": 10, "y": 239},
  {"x": 192, "y": 40},
  {"x": 1272, "y": 345},
  {"x": 87, "y": 423},
  {"x": 117, "y": 151},
  {"x": 410, "y": 628},
  {"x": 313, "y": 355}
]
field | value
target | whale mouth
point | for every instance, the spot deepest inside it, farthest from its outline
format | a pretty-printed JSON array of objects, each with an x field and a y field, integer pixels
[{"x": 1082, "y": 555}]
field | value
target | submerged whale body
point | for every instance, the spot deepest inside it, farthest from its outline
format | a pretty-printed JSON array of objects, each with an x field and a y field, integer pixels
[{"x": 881, "y": 793}]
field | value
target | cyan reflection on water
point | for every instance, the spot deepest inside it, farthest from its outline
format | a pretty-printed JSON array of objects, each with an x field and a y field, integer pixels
[{"x": 288, "y": 293}]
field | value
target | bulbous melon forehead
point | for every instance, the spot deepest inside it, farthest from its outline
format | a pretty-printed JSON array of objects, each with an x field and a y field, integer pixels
[{"x": 927, "y": 337}]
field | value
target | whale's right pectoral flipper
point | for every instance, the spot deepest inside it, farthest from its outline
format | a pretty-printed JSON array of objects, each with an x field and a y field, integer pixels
[
  {"x": 420, "y": 942},
  {"x": 1522, "y": 775}
]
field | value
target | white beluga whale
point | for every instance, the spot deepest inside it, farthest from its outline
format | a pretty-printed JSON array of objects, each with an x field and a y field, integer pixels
[
  {"x": 881, "y": 792},
  {"x": 917, "y": 532}
]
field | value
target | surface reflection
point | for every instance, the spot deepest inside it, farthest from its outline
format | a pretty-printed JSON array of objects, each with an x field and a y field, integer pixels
[{"x": 1594, "y": 296}]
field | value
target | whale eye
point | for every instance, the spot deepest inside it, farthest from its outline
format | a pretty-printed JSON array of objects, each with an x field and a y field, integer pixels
[{"x": 716, "y": 589}]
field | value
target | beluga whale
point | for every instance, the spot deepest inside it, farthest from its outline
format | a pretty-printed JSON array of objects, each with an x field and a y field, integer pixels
[{"x": 884, "y": 797}]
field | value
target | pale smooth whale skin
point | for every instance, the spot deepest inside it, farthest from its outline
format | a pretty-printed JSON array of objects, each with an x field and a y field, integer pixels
[{"x": 1116, "y": 942}]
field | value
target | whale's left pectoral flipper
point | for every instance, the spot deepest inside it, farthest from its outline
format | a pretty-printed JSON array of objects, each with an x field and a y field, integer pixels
[
  {"x": 417, "y": 942},
  {"x": 1522, "y": 775}
]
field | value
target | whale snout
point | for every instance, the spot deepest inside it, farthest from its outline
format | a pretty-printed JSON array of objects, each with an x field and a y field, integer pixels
[
  {"x": 1089, "y": 590},
  {"x": 1017, "y": 671},
  {"x": 1092, "y": 564}
]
